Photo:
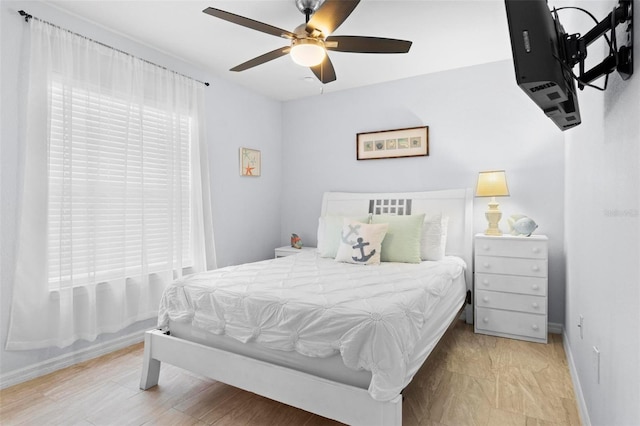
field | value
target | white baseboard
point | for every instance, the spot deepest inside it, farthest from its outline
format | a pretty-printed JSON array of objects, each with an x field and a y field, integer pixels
[
  {"x": 577, "y": 389},
  {"x": 555, "y": 328},
  {"x": 50, "y": 365}
]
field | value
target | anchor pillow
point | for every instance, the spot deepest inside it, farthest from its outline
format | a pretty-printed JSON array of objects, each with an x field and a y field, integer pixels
[
  {"x": 361, "y": 243},
  {"x": 329, "y": 227}
]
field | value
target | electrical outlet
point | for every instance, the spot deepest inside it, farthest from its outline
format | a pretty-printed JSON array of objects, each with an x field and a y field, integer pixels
[
  {"x": 581, "y": 326},
  {"x": 596, "y": 364}
]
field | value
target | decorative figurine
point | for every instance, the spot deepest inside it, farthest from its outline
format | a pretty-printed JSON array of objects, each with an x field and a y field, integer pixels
[
  {"x": 296, "y": 242},
  {"x": 521, "y": 225}
]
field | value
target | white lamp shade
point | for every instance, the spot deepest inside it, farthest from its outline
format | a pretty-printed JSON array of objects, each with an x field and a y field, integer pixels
[
  {"x": 307, "y": 52},
  {"x": 492, "y": 184}
]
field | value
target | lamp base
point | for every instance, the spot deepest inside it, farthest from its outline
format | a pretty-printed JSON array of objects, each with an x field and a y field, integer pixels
[
  {"x": 493, "y": 215},
  {"x": 493, "y": 232}
]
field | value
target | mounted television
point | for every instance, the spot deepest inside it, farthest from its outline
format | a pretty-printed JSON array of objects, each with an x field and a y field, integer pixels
[
  {"x": 544, "y": 55},
  {"x": 536, "y": 43}
]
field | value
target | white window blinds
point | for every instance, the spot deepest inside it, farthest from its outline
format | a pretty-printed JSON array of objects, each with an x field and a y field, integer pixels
[{"x": 119, "y": 188}]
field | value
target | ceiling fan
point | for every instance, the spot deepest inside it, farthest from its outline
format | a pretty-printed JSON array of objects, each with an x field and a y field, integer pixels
[{"x": 310, "y": 41}]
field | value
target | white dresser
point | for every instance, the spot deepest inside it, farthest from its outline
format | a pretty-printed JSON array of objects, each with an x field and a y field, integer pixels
[{"x": 510, "y": 286}]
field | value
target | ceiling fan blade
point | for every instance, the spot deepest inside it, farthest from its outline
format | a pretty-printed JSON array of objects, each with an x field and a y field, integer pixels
[
  {"x": 249, "y": 23},
  {"x": 358, "y": 44},
  {"x": 258, "y": 60},
  {"x": 331, "y": 15},
  {"x": 325, "y": 71}
]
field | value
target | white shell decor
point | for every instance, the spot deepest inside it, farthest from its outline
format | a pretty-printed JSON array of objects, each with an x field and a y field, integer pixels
[{"x": 520, "y": 224}]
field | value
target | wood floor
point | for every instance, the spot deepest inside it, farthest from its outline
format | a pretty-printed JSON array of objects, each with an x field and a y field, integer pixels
[{"x": 470, "y": 379}]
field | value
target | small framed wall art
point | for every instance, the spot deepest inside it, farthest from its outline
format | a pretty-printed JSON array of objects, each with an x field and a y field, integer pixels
[
  {"x": 249, "y": 162},
  {"x": 410, "y": 142}
]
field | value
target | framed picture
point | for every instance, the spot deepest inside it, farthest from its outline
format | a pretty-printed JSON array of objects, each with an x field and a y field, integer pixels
[
  {"x": 410, "y": 142},
  {"x": 249, "y": 162}
]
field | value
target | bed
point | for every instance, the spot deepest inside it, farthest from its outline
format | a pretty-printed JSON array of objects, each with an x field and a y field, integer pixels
[{"x": 333, "y": 338}]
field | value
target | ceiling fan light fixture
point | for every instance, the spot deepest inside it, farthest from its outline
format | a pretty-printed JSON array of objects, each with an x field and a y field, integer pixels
[{"x": 307, "y": 52}]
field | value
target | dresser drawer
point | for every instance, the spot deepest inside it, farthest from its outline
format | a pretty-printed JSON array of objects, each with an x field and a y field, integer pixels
[
  {"x": 535, "y": 248},
  {"x": 511, "y": 301},
  {"x": 511, "y": 284},
  {"x": 511, "y": 266},
  {"x": 516, "y": 324}
]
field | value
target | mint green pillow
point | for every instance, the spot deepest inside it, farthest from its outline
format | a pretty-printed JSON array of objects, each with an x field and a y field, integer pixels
[{"x": 402, "y": 242}]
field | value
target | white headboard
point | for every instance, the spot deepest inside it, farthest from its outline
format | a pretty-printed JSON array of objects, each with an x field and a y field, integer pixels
[{"x": 457, "y": 204}]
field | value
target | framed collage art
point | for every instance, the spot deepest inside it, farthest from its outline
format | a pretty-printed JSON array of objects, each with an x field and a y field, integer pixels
[{"x": 410, "y": 142}]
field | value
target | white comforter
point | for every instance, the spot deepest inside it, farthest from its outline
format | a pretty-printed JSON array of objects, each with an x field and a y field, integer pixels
[{"x": 371, "y": 315}]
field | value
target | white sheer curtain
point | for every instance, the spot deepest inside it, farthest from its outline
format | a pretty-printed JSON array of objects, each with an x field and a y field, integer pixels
[{"x": 116, "y": 198}]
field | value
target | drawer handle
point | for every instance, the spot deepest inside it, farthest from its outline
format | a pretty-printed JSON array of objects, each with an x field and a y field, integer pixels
[
  {"x": 486, "y": 247},
  {"x": 485, "y": 320},
  {"x": 486, "y": 265},
  {"x": 485, "y": 299},
  {"x": 535, "y": 287},
  {"x": 485, "y": 281},
  {"x": 535, "y": 327},
  {"x": 535, "y": 268},
  {"x": 536, "y": 250},
  {"x": 535, "y": 305}
]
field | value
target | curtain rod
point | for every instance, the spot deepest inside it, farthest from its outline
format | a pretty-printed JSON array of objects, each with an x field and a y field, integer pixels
[{"x": 28, "y": 16}]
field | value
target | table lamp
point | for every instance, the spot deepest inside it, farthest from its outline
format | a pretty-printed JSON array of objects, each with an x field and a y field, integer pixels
[{"x": 492, "y": 184}]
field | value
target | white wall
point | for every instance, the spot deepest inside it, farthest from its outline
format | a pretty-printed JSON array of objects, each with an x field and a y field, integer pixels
[
  {"x": 246, "y": 211},
  {"x": 602, "y": 238},
  {"x": 478, "y": 120}
]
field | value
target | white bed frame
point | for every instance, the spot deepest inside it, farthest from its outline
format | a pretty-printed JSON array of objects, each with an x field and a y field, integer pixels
[{"x": 344, "y": 403}]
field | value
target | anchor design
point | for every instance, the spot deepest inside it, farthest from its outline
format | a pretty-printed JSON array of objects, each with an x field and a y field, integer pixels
[
  {"x": 361, "y": 245},
  {"x": 352, "y": 230}
]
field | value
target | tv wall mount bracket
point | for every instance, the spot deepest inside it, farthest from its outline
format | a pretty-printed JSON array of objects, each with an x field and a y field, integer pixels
[{"x": 620, "y": 57}]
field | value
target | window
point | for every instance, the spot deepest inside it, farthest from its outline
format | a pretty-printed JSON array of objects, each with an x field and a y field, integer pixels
[
  {"x": 115, "y": 198},
  {"x": 119, "y": 188}
]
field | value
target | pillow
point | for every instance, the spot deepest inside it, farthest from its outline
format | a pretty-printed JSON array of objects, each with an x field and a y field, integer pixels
[
  {"x": 402, "y": 243},
  {"x": 329, "y": 228},
  {"x": 361, "y": 243},
  {"x": 434, "y": 237}
]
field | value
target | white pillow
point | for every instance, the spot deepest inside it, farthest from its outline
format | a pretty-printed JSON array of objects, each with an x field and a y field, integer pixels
[
  {"x": 434, "y": 237},
  {"x": 361, "y": 243},
  {"x": 329, "y": 228}
]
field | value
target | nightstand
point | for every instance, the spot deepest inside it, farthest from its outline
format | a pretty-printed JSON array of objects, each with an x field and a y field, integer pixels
[
  {"x": 288, "y": 250},
  {"x": 510, "y": 286}
]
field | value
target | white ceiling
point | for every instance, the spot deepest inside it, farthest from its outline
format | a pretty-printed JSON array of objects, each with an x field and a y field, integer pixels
[{"x": 446, "y": 34}]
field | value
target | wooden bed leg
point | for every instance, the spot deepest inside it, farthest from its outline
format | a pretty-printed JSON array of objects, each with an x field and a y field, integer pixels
[{"x": 150, "y": 366}]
